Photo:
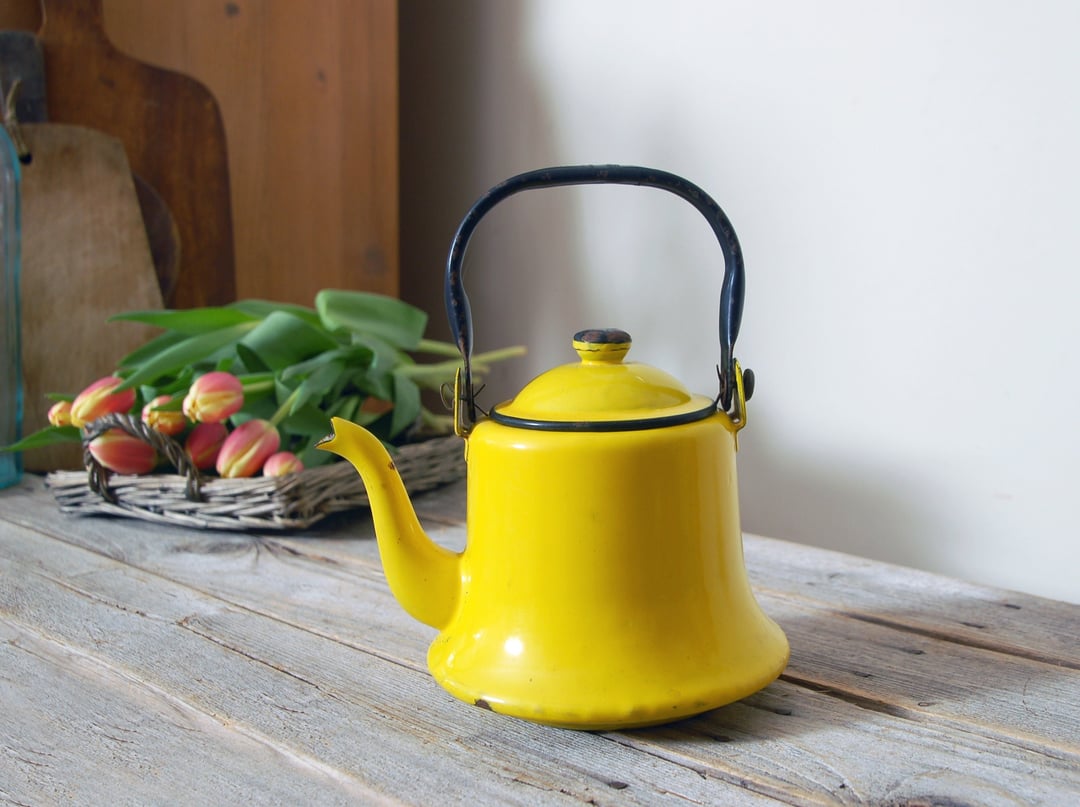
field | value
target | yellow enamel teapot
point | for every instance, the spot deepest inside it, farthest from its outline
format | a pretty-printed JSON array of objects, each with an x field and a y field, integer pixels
[{"x": 602, "y": 584}]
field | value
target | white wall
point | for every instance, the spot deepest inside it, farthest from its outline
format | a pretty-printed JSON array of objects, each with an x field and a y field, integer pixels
[{"x": 905, "y": 181}]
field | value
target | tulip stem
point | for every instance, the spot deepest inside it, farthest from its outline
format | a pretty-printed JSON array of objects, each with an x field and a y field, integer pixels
[
  {"x": 256, "y": 383},
  {"x": 499, "y": 355},
  {"x": 285, "y": 409},
  {"x": 435, "y": 374},
  {"x": 436, "y": 424},
  {"x": 437, "y": 348}
]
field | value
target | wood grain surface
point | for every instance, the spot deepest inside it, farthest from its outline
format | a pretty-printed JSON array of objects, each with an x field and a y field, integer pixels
[
  {"x": 85, "y": 257},
  {"x": 308, "y": 95},
  {"x": 168, "y": 648},
  {"x": 171, "y": 129}
]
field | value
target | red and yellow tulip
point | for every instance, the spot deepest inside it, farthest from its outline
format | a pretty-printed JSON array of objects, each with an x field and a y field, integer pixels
[
  {"x": 281, "y": 463},
  {"x": 204, "y": 444},
  {"x": 170, "y": 422},
  {"x": 214, "y": 397},
  {"x": 60, "y": 413},
  {"x": 100, "y": 399},
  {"x": 119, "y": 451},
  {"x": 247, "y": 448}
]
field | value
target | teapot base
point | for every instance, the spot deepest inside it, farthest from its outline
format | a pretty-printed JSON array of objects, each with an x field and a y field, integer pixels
[{"x": 622, "y": 702}]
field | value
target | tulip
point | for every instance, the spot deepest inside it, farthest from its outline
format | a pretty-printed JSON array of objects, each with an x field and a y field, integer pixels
[
  {"x": 281, "y": 463},
  {"x": 119, "y": 451},
  {"x": 247, "y": 448},
  {"x": 99, "y": 399},
  {"x": 170, "y": 422},
  {"x": 214, "y": 397},
  {"x": 60, "y": 413},
  {"x": 204, "y": 443}
]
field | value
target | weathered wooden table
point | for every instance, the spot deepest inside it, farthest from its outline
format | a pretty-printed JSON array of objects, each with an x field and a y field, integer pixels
[{"x": 143, "y": 664}]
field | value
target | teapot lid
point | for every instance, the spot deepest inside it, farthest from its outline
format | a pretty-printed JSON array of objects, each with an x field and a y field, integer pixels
[{"x": 603, "y": 393}]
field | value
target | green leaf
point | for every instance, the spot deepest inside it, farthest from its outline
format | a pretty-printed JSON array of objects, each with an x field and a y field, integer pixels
[
  {"x": 148, "y": 351},
  {"x": 251, "y": 361},
  {"x": 386, "y": 357},
  {"x": 317, "y": 384},
  {"x": 346, "y": 407},
  {"x": 313, "y": 457},
  {"x": 406, "y": 405},
  {"x": 378, "y": 385},
  {"x": 189, "y": 351},
  {"x": 262, "y": 407},
  {"x": 400, "y": 324},
  {"x": 49, "y": 436},
  {"x": 283, "y": 339},
  {"x": 309, "y": 421},
  {"x": 257, "y": 385},
  {"x": 264, "y": 308},
  {"x": 351, "y": 355},
  {"x": 375, "y": 422},
  {"x": 180, "y": 383},
  {"x": 188, "y": 321},
  {"x": 282, "y": 391}
]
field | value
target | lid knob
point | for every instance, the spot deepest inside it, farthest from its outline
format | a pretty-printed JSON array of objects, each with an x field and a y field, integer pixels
[{"x": 607, "y": 345}]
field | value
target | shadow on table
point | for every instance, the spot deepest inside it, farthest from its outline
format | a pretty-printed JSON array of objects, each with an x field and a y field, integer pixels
[{"x": 851, "y": 673}]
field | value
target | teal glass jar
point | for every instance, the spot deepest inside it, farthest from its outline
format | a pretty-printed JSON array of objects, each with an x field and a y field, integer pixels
[{"x": 11, "y": 383}]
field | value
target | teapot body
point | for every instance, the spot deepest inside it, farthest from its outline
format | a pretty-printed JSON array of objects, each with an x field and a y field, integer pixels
[{"x": 603, "y": 583}]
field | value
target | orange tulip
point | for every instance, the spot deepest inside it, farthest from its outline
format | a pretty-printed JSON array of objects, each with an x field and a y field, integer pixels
[
  {"x": 60, "y": 413},
  {"x": 99, "y": 399},
  {"x": 119, "y": 451},
  {"x": 204, "y": 443},
  {"x": 281, "y": 463},
  {"x": 214, "y": 397},
  {"x": 168, "y": 422},
  {"x": 247, "y": 448}
]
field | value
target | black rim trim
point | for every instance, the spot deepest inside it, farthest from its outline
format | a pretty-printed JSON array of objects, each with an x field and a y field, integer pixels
[{"x": 636, "y": 424}]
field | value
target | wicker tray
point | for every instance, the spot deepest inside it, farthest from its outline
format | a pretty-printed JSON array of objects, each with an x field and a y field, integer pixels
[{"x": 259, "y": 503}]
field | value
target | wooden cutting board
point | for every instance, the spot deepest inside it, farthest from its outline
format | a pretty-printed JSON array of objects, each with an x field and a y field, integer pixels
[
  {"x": 171, "y": 128},
  {"x": 85, "y": 257}
]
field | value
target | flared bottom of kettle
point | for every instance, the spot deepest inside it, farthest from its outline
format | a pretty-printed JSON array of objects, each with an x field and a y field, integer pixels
[{"x": 624, "y": 701}]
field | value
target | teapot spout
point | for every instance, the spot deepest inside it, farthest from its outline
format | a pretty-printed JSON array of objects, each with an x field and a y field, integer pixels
[{"x": 424, "y": 577}]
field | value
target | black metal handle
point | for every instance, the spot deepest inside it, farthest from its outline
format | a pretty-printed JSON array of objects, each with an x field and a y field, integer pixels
[{"x": 732, "y": 288}]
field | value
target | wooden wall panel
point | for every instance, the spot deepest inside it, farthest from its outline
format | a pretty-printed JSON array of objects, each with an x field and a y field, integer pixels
[
  {"x": 20, "y": 15},
  {"x": 308, "y": 93}
]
